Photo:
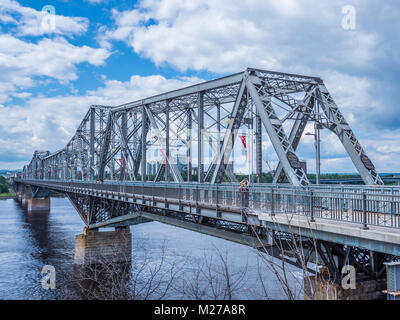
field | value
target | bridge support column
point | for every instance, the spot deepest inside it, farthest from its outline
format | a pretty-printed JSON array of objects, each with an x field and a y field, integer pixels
[
  {"x": 24, "y": 200},
  {"x": 316, "y": 288},
  {"x": 95, "y": 247},
  {"x": 38, "y": 204}
]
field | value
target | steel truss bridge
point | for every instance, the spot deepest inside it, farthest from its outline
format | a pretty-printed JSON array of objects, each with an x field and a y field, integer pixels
[{"x": 103, "y": 170}]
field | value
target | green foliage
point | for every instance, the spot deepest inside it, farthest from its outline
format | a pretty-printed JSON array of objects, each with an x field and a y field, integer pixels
[
  {"x": 3, "y": 180},
  {"x": 4, "y": 185},
  {"x": 3, "y": 188}
]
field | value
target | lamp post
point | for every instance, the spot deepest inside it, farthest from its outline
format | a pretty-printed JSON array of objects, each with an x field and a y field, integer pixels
[{"x": 316, "y": 135}]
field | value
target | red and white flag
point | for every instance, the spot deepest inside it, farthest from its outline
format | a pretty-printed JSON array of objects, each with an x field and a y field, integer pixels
[
  {"x": 243, "y": 139},
  {"x": 121, "y": 161},
  {"x": 164, "y": 156}
]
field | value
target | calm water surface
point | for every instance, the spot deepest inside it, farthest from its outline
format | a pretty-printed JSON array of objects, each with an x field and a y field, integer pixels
[{"x": 30, "y": 241}]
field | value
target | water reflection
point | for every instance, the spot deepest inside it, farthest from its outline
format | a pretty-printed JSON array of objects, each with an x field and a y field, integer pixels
[{"x": 30, "y": 241}]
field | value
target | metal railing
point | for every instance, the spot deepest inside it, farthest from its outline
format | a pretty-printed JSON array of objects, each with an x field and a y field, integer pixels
[{"x": 365, "y": 205}]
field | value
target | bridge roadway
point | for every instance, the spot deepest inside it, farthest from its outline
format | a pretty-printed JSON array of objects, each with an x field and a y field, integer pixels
[{"x": 365, "y": 217}]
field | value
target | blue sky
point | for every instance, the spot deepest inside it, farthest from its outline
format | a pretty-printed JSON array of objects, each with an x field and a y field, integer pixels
[{"x": 111, "y": 52}]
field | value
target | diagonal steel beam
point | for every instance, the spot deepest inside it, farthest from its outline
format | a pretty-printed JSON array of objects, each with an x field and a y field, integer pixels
[
  {"x": 230, "y": 134},
  {"x": 174, "y": 169},
  {"x": 353, "y": 147},
  {"x": 277, "y": 135},
  {"x": 297, "y": 131}
]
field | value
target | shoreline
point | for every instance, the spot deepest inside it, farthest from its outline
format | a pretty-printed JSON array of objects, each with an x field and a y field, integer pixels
[{"x": 7, "y": 197}]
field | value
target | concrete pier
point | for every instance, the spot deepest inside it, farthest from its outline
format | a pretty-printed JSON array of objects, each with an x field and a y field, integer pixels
[
  {"x": 323, "y": 290},
  {"x": 93, "y": 246},
  {"x": 24, "y": 201},
  {"x": 37, "y": 204}
]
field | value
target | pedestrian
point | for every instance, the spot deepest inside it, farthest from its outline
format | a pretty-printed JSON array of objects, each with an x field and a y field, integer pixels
[{"x": 244, "y": 190}]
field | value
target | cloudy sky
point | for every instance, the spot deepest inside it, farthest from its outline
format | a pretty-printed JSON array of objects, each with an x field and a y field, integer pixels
[{"x": 111, "y": 52}]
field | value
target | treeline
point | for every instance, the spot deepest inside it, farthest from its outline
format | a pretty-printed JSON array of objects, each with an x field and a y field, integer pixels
[{"x": 4, "y": 185}]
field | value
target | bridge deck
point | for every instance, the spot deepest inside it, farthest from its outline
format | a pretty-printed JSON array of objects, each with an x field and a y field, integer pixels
[
  {"x": 340, "y": 216},
  {"x": 375, "y": 238}
]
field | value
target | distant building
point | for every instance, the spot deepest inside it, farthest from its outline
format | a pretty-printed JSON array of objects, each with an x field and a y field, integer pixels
[{"x": 152, "y": 166}]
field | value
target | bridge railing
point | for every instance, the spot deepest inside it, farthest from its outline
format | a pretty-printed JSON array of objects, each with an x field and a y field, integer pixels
[
  {"x": 366, "y": 206},
  {"x": 380, "y": 209}
]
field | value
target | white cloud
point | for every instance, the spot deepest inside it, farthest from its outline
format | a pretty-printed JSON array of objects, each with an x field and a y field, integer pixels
[
  {"x": 49, "y": 123},
  {"x": 213, "y": 35},
  {"x": 217, "y": 36},
  {"x": 29, "y": 21},
  {"x": 21, "y": 61}
]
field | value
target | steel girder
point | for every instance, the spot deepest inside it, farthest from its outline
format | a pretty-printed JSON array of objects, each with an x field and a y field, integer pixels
[
  {"x": 114, "y": 142},
  {"x": 276, "y": 133},
  {"x": 351, "y": 144},
  {"x": 297, "y": 131}
]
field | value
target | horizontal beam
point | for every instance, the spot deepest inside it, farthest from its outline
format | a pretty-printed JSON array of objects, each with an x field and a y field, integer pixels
[
  {"x": 212, "y": 84},
  {"x": 126, "y": 220},
  {"x": 377, "y": 239},
  {"x": 245, "y": 239}
]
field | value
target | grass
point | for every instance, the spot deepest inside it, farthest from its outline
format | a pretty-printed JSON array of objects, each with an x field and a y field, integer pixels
[{"x": 7, "y": 195}]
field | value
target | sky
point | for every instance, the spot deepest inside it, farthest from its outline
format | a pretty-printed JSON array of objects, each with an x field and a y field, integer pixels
[{"x": 53, "y": 66}]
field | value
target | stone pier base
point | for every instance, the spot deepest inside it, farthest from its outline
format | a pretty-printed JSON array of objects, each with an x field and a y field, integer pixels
[
  {"x": 93, "y": 246},
  {"x": 24, "y": 201},
  {"x": 37, "y": 204},
  {"x": 365, "y": 290}
]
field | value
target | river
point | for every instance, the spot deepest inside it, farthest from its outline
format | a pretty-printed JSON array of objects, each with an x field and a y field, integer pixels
[{"x": 30, "y": 241}]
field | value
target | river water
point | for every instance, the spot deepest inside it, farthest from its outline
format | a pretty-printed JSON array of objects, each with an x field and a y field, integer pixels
[{"x": 30, "y": 241}]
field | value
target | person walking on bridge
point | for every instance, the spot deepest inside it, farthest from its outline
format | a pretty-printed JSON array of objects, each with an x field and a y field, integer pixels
[{"x": 244, "y": 191}]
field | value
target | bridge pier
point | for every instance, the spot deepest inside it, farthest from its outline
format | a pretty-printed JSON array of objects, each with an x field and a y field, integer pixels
[
  {"x": 95, "y": 247},
  {"x": 103, "y": 264},
  {"x": 24, "y": 200},
  {"x": 21, "y": 194},
  {"x": 37, "y": 204}
]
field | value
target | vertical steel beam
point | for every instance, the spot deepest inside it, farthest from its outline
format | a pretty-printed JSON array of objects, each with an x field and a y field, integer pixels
[
  {"x": 189, "y": 143},
  {"x": 218, "y": 105},
  {"x": 105, "y": 147},
  {"x": 258, "y": 148},
  {"x": 167, "y": 153},
  {"x": 144, "y": 141},
  {"x": 92, "y": 135},
  {"x": 124, "y": 143},
  {"x": 200, "y": 140},
  {"x": 112, "y": 163}
]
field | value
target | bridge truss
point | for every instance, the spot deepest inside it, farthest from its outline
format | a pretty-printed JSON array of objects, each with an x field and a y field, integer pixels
[
  {"x": 100, "y": 167},
  {"x": 113, "y": 143}
]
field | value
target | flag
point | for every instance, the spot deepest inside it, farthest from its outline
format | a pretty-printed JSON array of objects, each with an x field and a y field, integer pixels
[
  {"x": 164, "y": 156},
  {"x": 121, "y": 162},
  {"x": 243, "y": 139}
]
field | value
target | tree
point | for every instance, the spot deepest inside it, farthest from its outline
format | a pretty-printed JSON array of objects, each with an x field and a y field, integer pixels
[{"x": 4, "y": 188}]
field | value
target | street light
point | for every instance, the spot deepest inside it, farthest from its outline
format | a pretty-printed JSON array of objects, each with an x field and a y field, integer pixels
[{"x": 316, "y": 135}]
